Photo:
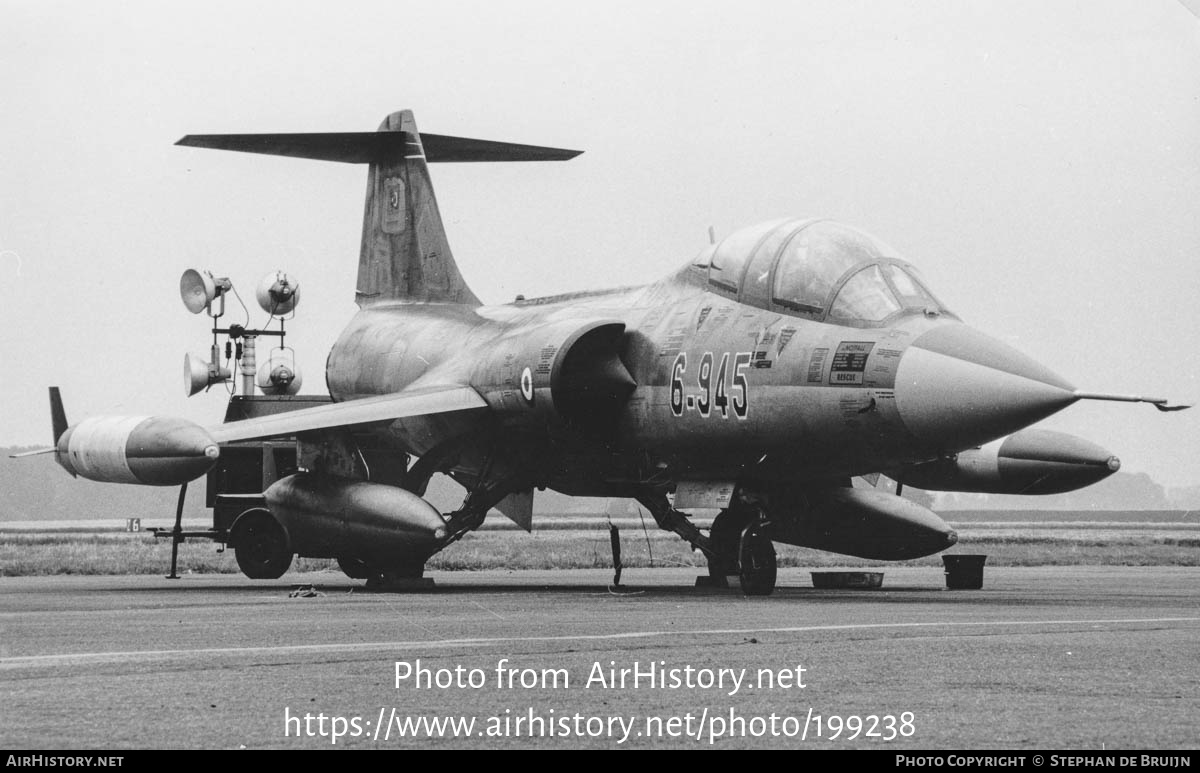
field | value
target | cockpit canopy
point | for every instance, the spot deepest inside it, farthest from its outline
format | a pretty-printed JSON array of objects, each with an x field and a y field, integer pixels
[{"x": 817, "y": 269}]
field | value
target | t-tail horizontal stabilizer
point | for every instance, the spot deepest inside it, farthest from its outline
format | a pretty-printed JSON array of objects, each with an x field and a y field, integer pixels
[
  {"x": 405, "y": 255},
  {"x": 373, "y": 147}
]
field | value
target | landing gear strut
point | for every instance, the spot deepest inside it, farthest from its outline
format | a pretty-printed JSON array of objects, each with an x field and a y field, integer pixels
[{"x": 670, "y": 519}]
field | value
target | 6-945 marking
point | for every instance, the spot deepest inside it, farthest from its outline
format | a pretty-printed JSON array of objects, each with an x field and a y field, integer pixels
[{"x": 713, "y": 396}]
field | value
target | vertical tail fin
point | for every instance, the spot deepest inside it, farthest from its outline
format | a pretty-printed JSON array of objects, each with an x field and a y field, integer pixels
[
  {"x": 58, "y": 416},
  {"x": 405, "y": 254}
]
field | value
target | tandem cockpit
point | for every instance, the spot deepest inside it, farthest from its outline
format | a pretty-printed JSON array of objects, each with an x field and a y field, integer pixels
[{"x": 817, "y": 269}]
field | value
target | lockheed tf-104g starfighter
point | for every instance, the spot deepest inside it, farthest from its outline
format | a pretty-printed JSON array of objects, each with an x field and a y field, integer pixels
[{"x": 756, "y": 379}]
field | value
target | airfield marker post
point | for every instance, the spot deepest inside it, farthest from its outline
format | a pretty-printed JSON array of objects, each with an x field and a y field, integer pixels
[{"x": 177, "y": 534}]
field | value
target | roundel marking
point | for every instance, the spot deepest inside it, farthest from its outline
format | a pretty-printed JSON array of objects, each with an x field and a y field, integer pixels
[{"x": 527, "y": 384}]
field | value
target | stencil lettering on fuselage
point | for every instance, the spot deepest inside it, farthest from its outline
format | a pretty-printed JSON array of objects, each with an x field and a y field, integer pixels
[
  {"x": 816, "y": 366},
  {"x": 546, "y": 360},
  {"x": 884, "y": 363},
  {"x": 849, "y": 363}
]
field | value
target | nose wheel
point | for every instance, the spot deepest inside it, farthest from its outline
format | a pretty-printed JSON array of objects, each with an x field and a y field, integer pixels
[
  {"x": 742, "y": 547},
  {"x": 756, "y": 554}
]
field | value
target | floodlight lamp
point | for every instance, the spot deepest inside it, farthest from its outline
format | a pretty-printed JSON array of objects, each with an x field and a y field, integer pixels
[
  {"x": 278, "y": 293},
  {"x": 199, "y": 374},
  {"x": 277, "y": 377},
  {"x": 198, "y": 289}
]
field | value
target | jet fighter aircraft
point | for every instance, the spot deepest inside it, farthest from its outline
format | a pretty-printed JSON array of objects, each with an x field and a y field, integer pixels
[{"x": 756, "y": 379}]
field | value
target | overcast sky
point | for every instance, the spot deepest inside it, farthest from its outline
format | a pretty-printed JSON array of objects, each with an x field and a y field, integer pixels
[{"x": 1039, "y": 161}]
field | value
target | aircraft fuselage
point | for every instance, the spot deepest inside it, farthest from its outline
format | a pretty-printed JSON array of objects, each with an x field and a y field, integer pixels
[{"x": 723, "y": 388}]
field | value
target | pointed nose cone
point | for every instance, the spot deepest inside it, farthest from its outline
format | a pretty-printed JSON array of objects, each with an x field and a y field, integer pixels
[{"x": 957, "y": 388}]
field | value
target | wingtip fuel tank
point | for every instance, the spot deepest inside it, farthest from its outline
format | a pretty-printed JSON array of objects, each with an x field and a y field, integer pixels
[
  {"x": 148, "y": 450},
  {"x": 1033, "y": 461}
]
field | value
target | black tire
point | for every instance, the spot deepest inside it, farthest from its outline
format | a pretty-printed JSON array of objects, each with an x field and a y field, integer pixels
[
  {"x": 354, "y": 568},
  {"x": 260, "y": 545},
  {"x": 757, "y": 568},
  {"x": 725, "y": 536}
]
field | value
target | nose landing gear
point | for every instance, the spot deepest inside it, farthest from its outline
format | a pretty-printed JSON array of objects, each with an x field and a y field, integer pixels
[
  {"x": 738, "y": 544},
  {"x": 757, "y": 568},
  {"x": 742, "y": 547}
]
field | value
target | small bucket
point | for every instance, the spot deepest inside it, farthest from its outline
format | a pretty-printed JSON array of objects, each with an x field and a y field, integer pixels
[{"x": 964, "y": 572}]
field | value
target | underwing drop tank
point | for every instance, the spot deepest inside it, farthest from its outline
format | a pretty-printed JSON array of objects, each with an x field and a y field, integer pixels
[
  {"x": 864, "y": 523},
  {"x": 377, "y": 524}
]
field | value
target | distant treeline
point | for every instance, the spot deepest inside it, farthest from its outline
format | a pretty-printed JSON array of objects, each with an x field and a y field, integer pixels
[{"x": 1123, "y": 491}]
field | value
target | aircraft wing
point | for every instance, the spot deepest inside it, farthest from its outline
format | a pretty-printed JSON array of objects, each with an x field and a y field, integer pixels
[{"x": 369, "y": 410}]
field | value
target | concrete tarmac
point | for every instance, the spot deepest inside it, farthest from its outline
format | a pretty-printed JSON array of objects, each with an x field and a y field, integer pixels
[{"x": 1079, "y": 658}]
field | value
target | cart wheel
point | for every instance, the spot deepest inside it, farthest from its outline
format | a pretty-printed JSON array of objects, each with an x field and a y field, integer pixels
[{"x": 260, "y": 545}]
